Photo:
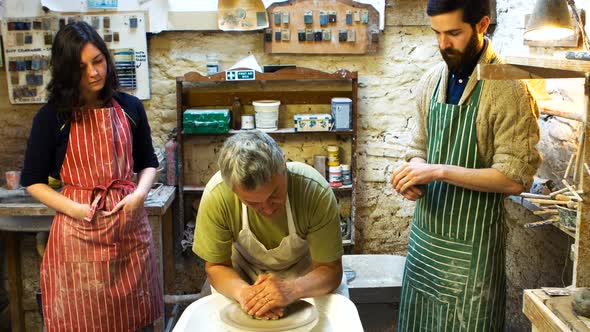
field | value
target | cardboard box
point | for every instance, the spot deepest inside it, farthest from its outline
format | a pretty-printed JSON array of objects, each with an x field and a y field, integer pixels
[{"x": 313, "y": 122}]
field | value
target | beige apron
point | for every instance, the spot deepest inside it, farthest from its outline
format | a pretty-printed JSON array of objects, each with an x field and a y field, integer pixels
[{"x": 289, "y": 260}]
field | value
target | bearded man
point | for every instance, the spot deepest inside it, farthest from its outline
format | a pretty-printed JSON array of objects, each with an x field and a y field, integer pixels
[{"x": 473, "y": 144}]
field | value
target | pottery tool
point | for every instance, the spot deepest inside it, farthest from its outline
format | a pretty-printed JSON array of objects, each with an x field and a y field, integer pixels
[
  {"x": 529, "y": 195},
  {"x": 541, "y": 223},
  {"x": 560, "y": 191},
  {"x": 571, "y": 189},
  {"x": 545, "y": 211},
  {"x": 546, "y": 201},
  {"x": 559, "y": 197},
  {"x": 569, "y": 166},
  {"x": 579, "y": 152}
]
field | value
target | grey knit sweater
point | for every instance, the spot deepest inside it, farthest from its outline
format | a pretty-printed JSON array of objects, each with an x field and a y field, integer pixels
[{"x": 506, "y": 125}]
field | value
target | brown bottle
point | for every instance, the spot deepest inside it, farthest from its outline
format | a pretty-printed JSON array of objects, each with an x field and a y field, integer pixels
[{"x": 236, "y": 110}]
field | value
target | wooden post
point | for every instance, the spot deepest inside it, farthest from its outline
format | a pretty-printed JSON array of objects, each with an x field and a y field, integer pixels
[
  {"x": 581, "y": 277},
  {"x": 13, "y": 262}
]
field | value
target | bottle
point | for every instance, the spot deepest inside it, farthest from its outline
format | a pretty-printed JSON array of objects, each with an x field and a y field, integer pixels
[
  {"x": 171, "y": 148},
  {"x": 212, "y": 64},
  {"x": 236, "y": 113}
]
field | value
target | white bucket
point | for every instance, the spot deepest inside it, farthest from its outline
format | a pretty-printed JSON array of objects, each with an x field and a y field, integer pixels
[{"x": 267, "y": 114}]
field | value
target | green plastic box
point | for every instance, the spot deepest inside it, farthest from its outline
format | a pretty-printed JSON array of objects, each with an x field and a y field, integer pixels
[{"x": 206, "y": 121}]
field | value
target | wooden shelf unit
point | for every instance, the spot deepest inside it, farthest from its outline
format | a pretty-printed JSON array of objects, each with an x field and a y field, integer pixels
[
  {"x": 300, "y": 90},
  {"x": 519, "y": 67}
]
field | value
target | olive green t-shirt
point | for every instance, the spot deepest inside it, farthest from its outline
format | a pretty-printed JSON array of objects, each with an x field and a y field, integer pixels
[{"x": 315, "y": 214}]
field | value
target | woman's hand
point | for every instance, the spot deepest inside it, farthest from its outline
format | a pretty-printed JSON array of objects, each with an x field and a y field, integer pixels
[
  {"x": 130, "y": 204},
  {"x": 79, "y": 211}
]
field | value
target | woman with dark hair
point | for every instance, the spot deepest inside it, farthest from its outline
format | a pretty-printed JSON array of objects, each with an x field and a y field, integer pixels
[{"x": 99, "y": 269}]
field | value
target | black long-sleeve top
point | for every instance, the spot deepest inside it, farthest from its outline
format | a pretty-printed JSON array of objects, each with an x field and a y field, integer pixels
[{"x": 48, "y": 142}]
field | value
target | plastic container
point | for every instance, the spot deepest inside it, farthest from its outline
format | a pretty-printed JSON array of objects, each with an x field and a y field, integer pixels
[
  {"x": 335, "y": 176},
  {"x": 267, "y": 114},
  {"x": 346, "y": 178},
  {"x": 12, "y": 180},
  {"x": 247, "y": 122},
  {"x": 342, "y": 113},
  {"x": 333, "y": 155}
]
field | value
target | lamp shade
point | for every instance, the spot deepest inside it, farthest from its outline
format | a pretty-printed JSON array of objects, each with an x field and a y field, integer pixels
[{"x": 550, "y": 20}]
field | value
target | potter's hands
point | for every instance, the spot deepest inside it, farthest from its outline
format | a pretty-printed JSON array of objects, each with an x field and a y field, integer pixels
[
  {"x": 249, "y": 292},
  {"x": 130, "y": 204},
  {"x": 268, "y": 294},
  {"x": 407, "y": 178}
]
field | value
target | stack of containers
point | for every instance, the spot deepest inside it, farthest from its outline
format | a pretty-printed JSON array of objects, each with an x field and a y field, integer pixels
[{"x": 334, "y": 170}]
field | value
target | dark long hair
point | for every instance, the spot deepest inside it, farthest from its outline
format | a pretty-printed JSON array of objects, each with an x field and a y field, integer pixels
[
  {"x": 64, "y": 87},
  {"x": 473, "y": 10}
]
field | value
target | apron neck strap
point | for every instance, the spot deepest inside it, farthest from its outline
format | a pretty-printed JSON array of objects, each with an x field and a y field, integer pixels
[{"x": 290, "y": 222}]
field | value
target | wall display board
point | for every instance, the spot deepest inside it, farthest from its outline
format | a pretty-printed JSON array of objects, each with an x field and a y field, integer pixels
[
  {"x": 329, "y": 27},
  {"x": 27, "y": 50}
]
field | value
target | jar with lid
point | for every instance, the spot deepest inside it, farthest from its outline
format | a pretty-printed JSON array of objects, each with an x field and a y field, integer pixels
[
  {"x": 346, "y": 178},
  {"x": 335, "y": 176},
  {"x": 333, "y": 155},
  {"x": 212, "y": 64}
]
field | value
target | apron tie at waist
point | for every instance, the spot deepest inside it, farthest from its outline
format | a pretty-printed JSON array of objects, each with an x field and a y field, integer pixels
[{"x": 100, "y": 192}]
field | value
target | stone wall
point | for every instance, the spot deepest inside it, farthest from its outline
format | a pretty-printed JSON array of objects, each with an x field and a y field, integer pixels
[{"x": 407, "y": 48}]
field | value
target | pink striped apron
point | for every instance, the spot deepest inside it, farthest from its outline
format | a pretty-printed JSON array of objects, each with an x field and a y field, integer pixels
[{"x": 100, "y": 275}]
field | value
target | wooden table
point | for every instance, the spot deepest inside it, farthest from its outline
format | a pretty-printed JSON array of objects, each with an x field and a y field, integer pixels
[
  {"x": 552, "y": 313},
  {"x": 160, "y": 218}
]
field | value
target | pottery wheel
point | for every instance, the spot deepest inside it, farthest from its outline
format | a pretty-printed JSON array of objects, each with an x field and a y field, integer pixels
[{"x": 298, "y": 314}]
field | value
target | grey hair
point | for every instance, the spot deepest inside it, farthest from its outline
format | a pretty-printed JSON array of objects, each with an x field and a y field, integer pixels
[{"x": 250, "y": 159}]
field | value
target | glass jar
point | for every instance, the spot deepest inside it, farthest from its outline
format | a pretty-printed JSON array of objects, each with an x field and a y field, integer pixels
[{"x": 212, "y": 64}]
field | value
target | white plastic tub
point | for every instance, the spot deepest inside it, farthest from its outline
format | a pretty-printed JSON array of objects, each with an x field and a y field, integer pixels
[{"x": 267, "y": 114}]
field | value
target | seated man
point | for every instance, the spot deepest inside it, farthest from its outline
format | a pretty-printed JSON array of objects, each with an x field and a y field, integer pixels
[{"x": 268, "y": 230}]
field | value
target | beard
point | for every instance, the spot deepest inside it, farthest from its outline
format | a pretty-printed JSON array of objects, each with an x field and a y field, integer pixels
[{"x": 457, "y": 60}]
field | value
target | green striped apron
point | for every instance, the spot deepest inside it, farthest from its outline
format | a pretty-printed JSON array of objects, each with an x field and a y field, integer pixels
[{"x": 454, "y": 275}]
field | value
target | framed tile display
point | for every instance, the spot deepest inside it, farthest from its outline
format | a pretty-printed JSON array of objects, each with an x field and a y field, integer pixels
[
  {"x": 27, "y": 48},
  {"x": 354, "y": 25}
]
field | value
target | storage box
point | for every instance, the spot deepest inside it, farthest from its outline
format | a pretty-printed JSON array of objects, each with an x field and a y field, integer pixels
[
  {"x": 342, "y": 113},
  {"x": 312, "y": 122},
  {"x": 206, "y": 121}
]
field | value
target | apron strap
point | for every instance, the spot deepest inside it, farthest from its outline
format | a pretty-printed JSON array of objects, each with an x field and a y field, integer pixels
[
  {"x": 100, "y": 192},
  {"x": 290, "y": 222}
]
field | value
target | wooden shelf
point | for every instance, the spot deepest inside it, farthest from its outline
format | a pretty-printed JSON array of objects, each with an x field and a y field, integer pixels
[
  {"x": 522, "y": 68},
  {"x": 201, "y": 189},
  {"x": 567, "y": 110},
  {"x": 285, "y": 74},
  {"x": 301, "y": 90},
  {"x": 283, "y": 131}
]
